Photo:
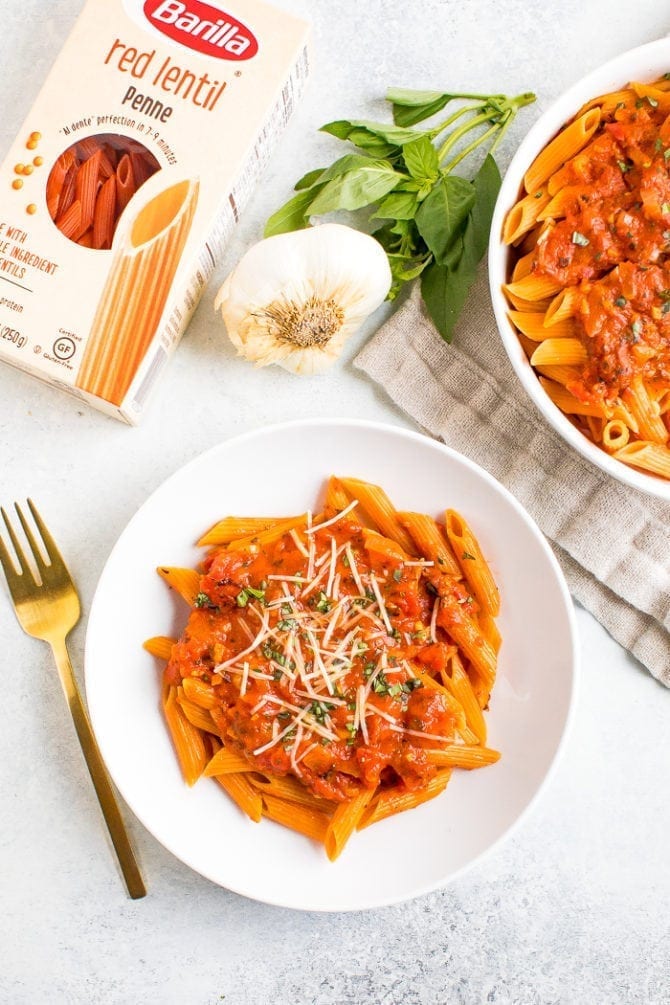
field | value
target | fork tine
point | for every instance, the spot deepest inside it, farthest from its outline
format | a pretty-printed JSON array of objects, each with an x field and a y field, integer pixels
[
  {"x": 37, "y": 555},
  {"x": 52, "y": 551},
  {"x": 6, "y": 562},
  {"x": 23, "y": 565}
]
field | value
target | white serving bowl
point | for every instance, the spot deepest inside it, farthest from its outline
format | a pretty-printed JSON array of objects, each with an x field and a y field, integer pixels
[
  {"x": 283, "y": 469},
  {"x": 646, "y": 63}
]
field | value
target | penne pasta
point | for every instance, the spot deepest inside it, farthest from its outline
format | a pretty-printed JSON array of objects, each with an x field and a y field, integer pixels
[
  {"x": 99, "y": 174},
  {"x": 559, "y": 352},
  {"x": 532, "y": 325},
  {"x": 616, "y": 435},
  {"x": 652, "y": 457},
  {"x": 430, "y": 541},
  {"x": 104, "y": 215},
  {"x": 186, "y": 582},
  {"x": 344, "y": 822},
  {"x": 646, "y": 412},
  {"x": 336, "y": 495},
  {"x": 591, "y": 322},
  {"x": 463, "y": 757},
  {"x": 472, "y": 563},
  {"x": 133, "y": 299},
  {"x": 303, "y": 819},
  {"x": 307, "y": 680},
  {"x": 490, "y": 630},
  {"x": 196, "y": 714},
  {"x": 187, "y": 739},
  {"x": 398, "y": 800},
  {"x": 462, "y": 689},
  {"x": 469, "y": 638},
  {"x": 524, "y": 266},
  {"x": 160, "y": 646},
  {"x": 533, "y": 287},
  {"x": 384, "y": 546},
  {"x": 567, "y": 402},
  {"x": 380, "y": 510},
  {"x": 568, "y": 142},
  {"x": 243, "y": 793},
  {"x": 199, "y": 693},
  {"x": 226, "y": 762},
  {"x": 232, "y": 528},
  {"x": 524, "y": 215},
  {"x": 271, "y": 534}
]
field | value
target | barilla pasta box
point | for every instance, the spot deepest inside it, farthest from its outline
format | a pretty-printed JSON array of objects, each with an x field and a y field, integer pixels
[{"x": 126, "y": 180}]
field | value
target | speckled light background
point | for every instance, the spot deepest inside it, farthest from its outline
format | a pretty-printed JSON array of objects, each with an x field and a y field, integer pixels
[{"x": 575, "y": 909}]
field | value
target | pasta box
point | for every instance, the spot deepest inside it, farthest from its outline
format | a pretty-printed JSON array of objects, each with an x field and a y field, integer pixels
[{"x": 117, "y": 198}]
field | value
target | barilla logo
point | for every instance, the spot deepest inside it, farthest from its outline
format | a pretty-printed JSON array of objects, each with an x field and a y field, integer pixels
[{"x": 202, "y": 27}]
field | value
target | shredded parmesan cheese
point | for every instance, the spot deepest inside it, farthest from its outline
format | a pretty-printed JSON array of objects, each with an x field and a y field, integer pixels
[
  {"x": 247, "y": 652},
  {"x": 433, "y": 620},
  {"x": 380, "y": 603},
  {"x": 334, "y": 519}
]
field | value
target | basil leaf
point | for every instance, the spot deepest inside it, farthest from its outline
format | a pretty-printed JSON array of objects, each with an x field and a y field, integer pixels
[
  {"x": 486, "y": 183},
  {"x": 293, "y": 215},
  {"x": 343, "y": 129},
  {"x": 410, "y": 107},
  {"x": 409, "y": 98},
  {"x": 443, "y": 213},
  {"x": 364, "y": 185},
  {"x": 373, "y": 145},
  {"x": 405, "y": 269},
  {"x": 350, "y": 162},
  {"x": 405, "y": 117},
  {"x": 445, "y": 291},
  {"x": 445, "y": 285},
  {"x": 308, "y": 179},
  {"x": 421, "y": 160},
  {"x": 397, "y": 206},
  {"x": 454, "y": 253}
]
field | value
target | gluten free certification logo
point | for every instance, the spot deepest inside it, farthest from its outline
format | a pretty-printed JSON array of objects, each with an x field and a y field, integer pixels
[{"x": 64, "y": 348}]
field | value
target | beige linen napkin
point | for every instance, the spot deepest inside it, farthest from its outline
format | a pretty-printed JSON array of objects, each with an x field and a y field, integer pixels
[{"x": 612, "y": 541}]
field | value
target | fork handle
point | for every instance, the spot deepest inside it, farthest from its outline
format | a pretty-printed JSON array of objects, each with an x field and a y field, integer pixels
[{"x": 98, "y": 772}]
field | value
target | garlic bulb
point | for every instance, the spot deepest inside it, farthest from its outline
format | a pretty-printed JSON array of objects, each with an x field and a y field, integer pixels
[{"x": 294, "y": 299}]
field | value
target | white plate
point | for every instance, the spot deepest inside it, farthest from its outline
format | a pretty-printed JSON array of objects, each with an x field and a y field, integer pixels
[
  {"x": 281, "y": 469},
  {"x": 646, "y": 63}
]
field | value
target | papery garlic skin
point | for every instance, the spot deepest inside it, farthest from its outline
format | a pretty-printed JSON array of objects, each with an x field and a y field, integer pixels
[{"x": 294, "y": 299}]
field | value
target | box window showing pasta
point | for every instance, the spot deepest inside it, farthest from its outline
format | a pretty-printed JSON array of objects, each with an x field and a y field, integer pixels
[{"x": 115, "y": 200}]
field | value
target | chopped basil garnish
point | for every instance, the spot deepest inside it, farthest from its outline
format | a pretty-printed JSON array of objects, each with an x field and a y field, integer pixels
[
  {"x": 323, "y": 604},
  {"x": 381, "y": 685},
  {"x": 320, "y": 709},
  {"x": 245, "y": 595},
  {"x": 202, "y": 600},
  {"x": 287, "y": 624}
]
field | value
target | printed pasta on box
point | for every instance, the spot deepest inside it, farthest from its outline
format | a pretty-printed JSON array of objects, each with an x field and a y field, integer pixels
[{"x": 117, "y": 198}]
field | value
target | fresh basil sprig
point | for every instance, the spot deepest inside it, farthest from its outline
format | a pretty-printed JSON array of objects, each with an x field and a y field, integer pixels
[{"x": 433, "y": 224}]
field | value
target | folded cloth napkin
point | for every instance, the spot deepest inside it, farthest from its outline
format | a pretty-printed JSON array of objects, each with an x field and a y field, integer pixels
[{"x": 612, "y": 541}]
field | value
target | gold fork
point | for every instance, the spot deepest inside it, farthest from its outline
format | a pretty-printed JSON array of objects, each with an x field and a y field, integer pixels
[{"x": 49, "y": 611}]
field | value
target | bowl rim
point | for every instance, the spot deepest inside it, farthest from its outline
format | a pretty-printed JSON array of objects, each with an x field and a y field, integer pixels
[{"x": 640, "y": 62}]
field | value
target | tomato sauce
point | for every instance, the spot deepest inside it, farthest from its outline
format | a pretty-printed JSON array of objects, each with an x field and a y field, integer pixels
[
  {"x": 613, "y": 245},
  {"x": 312, "y": 676}
]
